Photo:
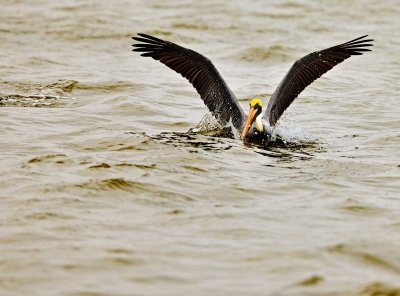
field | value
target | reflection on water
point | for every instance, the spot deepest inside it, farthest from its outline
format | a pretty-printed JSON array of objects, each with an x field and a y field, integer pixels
[
  {"x": 214, "y": 144},
  {"x": 279, "y": 148}
]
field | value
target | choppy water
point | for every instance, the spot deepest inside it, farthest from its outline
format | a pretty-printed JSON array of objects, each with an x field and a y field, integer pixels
[{"x": 103, "y": 191}]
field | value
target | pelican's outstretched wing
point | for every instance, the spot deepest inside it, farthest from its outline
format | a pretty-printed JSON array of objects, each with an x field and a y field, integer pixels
[
  {"x": 200, "y": 72},
  {"x": 305, "y": 70}
]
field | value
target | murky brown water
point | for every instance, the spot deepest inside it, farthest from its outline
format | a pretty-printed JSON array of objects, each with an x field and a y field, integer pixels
[{"x": 104, "y": 193}]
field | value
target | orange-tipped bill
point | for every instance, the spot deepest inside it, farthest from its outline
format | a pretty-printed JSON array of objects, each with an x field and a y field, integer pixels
[{"x": 249, "y": 121}]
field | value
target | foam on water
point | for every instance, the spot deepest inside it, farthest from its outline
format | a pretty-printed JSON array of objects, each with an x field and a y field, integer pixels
[{"x": 30, "y": 94}]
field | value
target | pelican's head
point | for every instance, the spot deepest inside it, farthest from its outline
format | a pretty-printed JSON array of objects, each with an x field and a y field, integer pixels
[{"x": 254, "y": 113}]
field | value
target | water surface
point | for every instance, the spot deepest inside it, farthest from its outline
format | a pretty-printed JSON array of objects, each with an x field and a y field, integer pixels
[{"x": 103, "y": 191}]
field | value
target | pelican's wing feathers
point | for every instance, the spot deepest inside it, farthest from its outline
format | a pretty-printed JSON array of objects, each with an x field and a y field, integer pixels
[
  {"x": 200, "y": 72},
  {"x": 307, "y": 69}
]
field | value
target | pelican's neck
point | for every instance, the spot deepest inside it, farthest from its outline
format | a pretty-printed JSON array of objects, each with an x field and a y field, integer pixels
[{"x": 258, "y": 124}]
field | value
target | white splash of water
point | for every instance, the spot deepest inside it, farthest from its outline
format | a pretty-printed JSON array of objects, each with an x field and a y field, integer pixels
[
  {"x": 206, "y": 124},
  {"x": 287, "y": 131},
  {"x": 290, "y": 132}
]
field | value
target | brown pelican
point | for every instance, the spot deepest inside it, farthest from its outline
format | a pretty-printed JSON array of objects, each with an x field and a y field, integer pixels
[{"x": 220, "y": 100}]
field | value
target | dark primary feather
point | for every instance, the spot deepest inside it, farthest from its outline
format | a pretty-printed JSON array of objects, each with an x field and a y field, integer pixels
[
  {"x": 307, "y": 69},
  {"x": 200, "y": 72}
]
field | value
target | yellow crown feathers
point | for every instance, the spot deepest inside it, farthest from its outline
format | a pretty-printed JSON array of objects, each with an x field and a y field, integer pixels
[{"x": 254, "y": 102}]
